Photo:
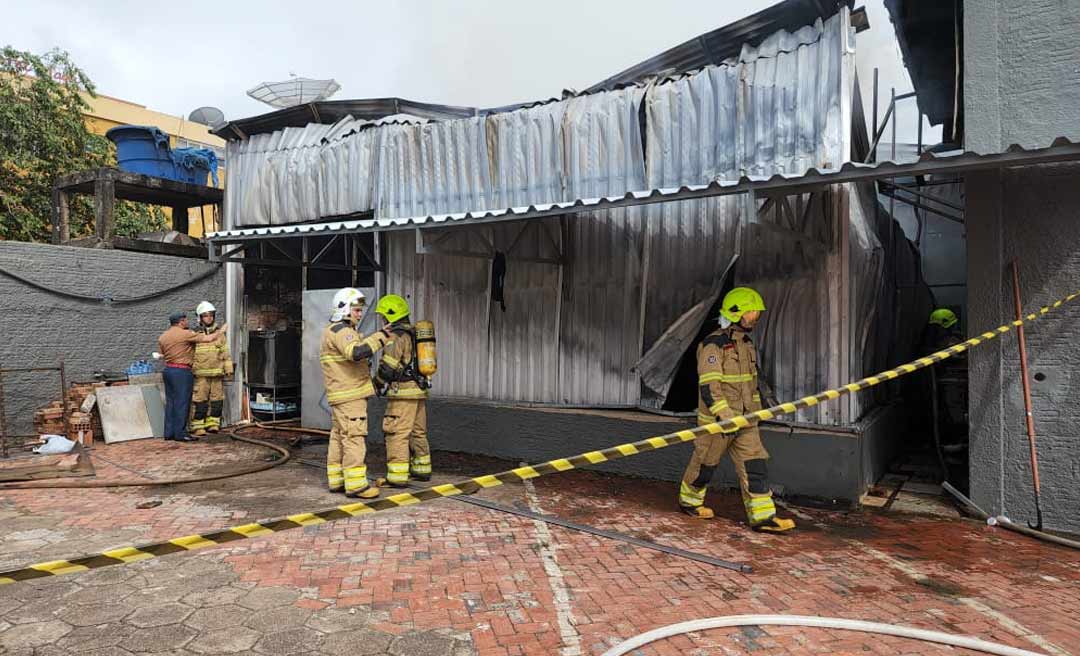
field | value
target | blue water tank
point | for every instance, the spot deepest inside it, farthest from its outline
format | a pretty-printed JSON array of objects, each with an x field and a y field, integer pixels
[{"x": 142, "y": 149}]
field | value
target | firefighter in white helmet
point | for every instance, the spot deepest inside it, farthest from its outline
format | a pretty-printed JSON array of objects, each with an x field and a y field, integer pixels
[
  {"x": 211, "y": 365},
  {"x": 728, "y": 387},
  {"x": 344, "y": 355}
]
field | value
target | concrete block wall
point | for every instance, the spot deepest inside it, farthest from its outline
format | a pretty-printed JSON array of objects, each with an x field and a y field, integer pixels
[
  {"x": 1022, "y": 85},
  {"x": 38, "y": 328},
  {"x": 1032, "y": 214},
  {"x": 1021, "y": 78}
]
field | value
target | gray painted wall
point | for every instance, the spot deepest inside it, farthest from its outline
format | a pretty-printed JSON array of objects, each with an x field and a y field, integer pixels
[
  {"x": 1022, "y": 85},
  {"x": 1030, "y": 214},
  {"x": 38, "y": 328},
  {"x": 1021, "y": 72}
]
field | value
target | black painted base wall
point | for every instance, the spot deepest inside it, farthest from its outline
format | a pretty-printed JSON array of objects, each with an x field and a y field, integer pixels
[{"x": 823, "y": 465}]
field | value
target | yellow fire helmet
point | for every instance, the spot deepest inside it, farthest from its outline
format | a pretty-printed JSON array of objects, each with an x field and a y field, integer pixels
[
  {"x": 393, "y": 307},
  {"x": 739, "y": 301},
  {"x": 943, "y": 317}
]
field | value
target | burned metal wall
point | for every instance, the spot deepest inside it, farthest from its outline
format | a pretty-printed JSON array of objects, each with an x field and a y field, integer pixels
[
  {"x": 587, "y": 294},
  {"x": 626, "y": 275}
]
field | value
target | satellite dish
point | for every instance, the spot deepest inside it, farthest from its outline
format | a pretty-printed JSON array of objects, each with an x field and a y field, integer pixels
[
  {"x": 294, "y": 91},
  {"x": 208, "y": 116}
]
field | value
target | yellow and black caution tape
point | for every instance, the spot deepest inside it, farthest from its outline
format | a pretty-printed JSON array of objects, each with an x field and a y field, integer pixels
[{"x": 136, "y": 553}]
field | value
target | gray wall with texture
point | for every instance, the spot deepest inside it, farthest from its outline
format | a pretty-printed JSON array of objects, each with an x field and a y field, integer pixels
[
  {"x": 1022, "y": 85},
  {"x": 38, "y": 328}
]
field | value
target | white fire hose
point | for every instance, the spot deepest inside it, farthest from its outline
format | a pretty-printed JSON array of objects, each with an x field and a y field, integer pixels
[{"x": 817, "y": 622}]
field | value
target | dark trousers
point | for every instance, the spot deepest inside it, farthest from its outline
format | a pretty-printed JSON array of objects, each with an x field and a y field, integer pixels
[{"x": 178, "y": 386}]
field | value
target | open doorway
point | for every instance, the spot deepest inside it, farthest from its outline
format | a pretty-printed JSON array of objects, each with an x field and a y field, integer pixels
[{"x": 683, "y": 394}]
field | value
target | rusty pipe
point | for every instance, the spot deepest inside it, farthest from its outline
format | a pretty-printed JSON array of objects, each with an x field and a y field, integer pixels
[{"x": 1028, "y": 416}]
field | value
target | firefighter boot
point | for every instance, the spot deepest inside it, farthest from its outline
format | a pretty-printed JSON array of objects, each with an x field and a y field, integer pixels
[
  {"x": 700, "y": 512},
  {"x": 692, "y": 497},
  {"x": 369, "y": 492},
  {"x": 775, "y": 525}
]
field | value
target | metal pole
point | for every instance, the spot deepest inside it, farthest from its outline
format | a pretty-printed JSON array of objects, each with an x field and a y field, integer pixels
[
  {"x": 354, "y": 254},
  {"x": 937, "y": 422},
  {"x": 918, "y": 146},
  {"x": 918, "y": 235},
  {"x": 892, "y": 207},
  {"x": 873, "y": 151},
  {"x": 305, "y": 259},
  {"x": 1030, "y": 419},
  {"x": 892, "y": 114},
  {"x": 63, "y": 397},
  {"x": 922, "y": 194},
  {"x": 886, "y": 190}
]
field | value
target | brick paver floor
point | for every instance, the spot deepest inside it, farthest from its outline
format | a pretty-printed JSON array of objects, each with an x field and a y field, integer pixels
[{"x": 450, "y": 579}]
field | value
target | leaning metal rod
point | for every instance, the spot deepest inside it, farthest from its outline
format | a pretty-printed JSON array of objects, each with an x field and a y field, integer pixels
[
  {"x": 64, "y": 399},
  {"x": 1029, "y": 418},
  {"x": 3, "y": 418}
]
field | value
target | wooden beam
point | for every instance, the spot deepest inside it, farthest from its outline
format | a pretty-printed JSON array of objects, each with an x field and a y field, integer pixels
[
  {"x": 160, "y": 248},
  {"x": 61, "y": 221},
  {"x": 142, "y": 188},
  {"x": 180, "y": 219},
  {"x": 104, "y": 203},
  {"x": 368, "y": 254}
]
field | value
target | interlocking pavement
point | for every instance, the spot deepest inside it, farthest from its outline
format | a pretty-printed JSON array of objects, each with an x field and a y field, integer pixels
[{"x": 450, "y": 579}]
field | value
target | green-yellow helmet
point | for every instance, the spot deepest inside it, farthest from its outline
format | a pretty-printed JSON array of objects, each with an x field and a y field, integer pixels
[
  {"x": 393, "y": 307},
  {"x": 943, "y": 317},
  {"x": 741, "y": 300}
]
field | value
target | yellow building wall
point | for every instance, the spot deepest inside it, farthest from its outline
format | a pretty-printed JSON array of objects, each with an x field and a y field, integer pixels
[{"x": 106, "y": 112}]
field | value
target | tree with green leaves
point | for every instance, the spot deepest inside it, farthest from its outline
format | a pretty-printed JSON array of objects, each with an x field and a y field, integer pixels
[{"x": 43, "y": 136}]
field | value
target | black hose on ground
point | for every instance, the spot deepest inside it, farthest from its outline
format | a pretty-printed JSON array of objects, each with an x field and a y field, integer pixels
[{"x": 232, "y": 431}]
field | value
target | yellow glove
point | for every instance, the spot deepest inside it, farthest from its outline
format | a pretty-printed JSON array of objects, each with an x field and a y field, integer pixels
[{"x": 228, "y": 366}]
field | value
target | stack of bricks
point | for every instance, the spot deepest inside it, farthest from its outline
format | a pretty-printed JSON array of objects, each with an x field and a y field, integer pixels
[{"x": 49, "y": 420}]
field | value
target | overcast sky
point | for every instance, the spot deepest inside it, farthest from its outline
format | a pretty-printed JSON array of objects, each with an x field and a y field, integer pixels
[{"x": 176, "y": 56}]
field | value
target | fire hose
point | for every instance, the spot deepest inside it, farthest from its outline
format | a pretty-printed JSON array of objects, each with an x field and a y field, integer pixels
[{"x": 816, "y": 622}]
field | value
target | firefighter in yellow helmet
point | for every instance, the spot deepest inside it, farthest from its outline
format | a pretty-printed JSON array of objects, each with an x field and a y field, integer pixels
[
  {"x": 405, "y": 423},
  {"x": 344, "y": 355},
  {"x": 212, "y": 364},
  {"x": 941, "y": 331},
  {"x": 728, "y": 387}
]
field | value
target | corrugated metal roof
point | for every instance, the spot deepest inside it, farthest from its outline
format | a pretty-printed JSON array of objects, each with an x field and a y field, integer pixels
[
  {"x": 714, "y": 47},
  {"x": 332, "y": 111},
  {"x": 1062, "y": 150}
]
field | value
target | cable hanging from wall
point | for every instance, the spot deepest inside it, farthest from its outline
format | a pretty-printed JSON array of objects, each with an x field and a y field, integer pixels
[{"x": 105, "y": 299}]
